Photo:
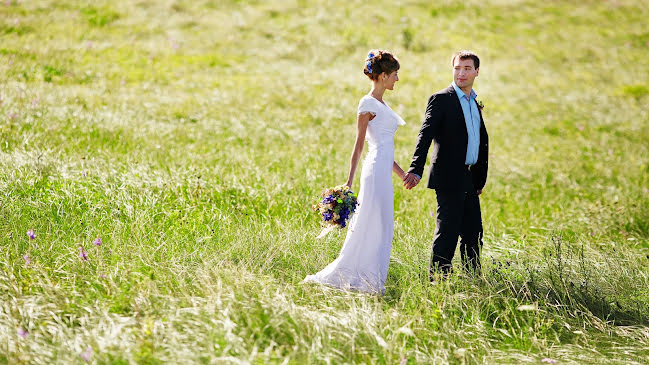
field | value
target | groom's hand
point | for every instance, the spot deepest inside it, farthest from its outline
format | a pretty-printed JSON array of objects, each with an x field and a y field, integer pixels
[{"x": 410, "y": 181}]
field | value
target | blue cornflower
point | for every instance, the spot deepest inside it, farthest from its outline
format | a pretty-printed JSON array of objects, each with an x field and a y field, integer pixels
[
  {"x": 327, "y": 216},
  {"x": 344, "y": 213},
  {"x": 369, "y": 63}
]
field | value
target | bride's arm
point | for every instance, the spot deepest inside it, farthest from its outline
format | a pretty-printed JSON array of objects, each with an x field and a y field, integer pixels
[
  {"x": 398, "y": 170},
  {"x": 363, "y": 121}
]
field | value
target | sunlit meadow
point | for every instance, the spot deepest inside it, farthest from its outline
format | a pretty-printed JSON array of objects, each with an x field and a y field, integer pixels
[{"x": 159, "y": 160}]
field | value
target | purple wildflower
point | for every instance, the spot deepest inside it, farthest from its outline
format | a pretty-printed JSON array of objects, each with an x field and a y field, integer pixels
[
  {"x": 173, "y": 42},
  {"x": 31, "y": 234},
  {"x": 83, "y": 254},
  {"x": 87, "y": 355},
  {"x": 13, "y": 115},
  {"x": 327, "y": 216},
  {"x": 549, "y": 361},
  {"x": 28, "y": 261},
  {"x": 97, "y": 242},
  {"x": 83, "y": 173},
  {"x": 23, "y": 332},
  {"x": 102, "y": 276}
]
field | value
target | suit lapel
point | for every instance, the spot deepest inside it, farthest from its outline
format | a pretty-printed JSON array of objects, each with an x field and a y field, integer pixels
[
  {"x": 458, "y": 109},
  {"x": 458, "y": 106},
  {"x": 484, "y": 139}
]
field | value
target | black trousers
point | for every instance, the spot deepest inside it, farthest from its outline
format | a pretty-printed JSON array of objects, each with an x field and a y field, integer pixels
[{"x": 458, "y": 214}]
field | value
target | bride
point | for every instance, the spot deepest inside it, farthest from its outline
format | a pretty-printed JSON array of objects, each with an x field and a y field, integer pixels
[{"x": 362, "y": 264}]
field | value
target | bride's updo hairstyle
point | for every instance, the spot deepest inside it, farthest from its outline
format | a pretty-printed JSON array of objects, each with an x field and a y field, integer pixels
[{"x": 379, "y": 61}]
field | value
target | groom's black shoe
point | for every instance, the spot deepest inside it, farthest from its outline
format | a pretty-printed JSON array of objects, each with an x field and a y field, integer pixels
[
  {"x": 438, "y": 280},
  {"x": 436, "y": 273}
]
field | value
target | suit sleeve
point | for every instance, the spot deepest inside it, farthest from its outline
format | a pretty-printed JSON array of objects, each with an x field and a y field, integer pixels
[{"x": 429, "y": 130}]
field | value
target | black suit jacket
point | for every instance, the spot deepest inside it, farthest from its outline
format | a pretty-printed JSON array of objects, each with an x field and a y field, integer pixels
[{"x": 444, "y": 126}]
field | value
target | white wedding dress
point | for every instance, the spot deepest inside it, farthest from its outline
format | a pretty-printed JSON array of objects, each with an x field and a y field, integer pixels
[{"x": 362, "y": 264}]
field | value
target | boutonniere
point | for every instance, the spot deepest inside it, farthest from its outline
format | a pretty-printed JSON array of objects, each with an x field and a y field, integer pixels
[{"x": 480, "y": 104}]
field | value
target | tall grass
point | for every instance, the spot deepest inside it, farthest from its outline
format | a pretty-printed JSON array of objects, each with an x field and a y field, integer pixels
[{"x": 193, "y": 136}]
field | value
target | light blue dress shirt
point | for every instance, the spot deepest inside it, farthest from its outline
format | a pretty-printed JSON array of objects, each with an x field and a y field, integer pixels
[{"x": 472, "y": 120}]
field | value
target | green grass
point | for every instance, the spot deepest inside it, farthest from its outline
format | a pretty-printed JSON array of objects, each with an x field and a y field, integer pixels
[{"x": 194, "y": 136}]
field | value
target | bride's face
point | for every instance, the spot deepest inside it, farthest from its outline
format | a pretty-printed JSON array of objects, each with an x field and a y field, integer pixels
[{"x": 390, "y": 80}]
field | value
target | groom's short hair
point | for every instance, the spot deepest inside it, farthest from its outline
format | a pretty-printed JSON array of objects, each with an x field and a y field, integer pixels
[{"x": 464, "y": 55}]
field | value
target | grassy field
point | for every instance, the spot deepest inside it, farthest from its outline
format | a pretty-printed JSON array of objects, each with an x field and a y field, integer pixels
[{"x": 192, "y": 138}]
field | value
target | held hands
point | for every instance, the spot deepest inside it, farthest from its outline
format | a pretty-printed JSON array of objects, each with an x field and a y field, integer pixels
[{"x": 410, "y": 181}]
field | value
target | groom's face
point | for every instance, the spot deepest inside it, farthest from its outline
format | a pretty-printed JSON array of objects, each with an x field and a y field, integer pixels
[{"x": 464, "y": 72}]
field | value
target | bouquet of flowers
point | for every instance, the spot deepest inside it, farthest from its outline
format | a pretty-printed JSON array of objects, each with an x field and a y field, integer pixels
[{"x": 336, "y": 207}]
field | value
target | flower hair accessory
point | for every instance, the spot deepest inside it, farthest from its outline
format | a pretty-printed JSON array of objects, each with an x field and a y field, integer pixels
[{"x": 369, "y": 62}]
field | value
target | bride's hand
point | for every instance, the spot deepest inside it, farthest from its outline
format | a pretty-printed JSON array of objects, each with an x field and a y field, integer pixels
[
  {"x": 348, "y": 184},
  {"x": 410, "y": 181}
]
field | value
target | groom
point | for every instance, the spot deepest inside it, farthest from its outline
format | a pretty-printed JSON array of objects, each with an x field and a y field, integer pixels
[{"x": 454, "y": 125}]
